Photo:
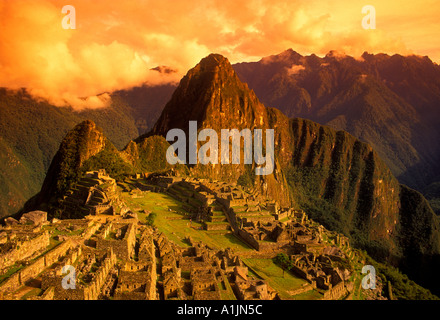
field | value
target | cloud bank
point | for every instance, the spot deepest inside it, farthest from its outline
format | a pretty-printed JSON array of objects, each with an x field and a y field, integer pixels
[{"x": 116, "y": 44}]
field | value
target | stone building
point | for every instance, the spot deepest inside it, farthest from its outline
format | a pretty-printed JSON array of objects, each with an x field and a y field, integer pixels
[
  {"x": 92, "y": 268},
  {"x": 251, "y": 289},
  {"x": 121, "y": 237}
]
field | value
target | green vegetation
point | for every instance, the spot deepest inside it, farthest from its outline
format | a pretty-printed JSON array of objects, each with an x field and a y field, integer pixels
[
  {"x": 109, "y": 160},
  {"x": 151, "y": 218},
  {"x": 432, "y": 194},
  {"x": 65, "y": 167},
  {"x": 32, "y": 293},
  {"x": 283, "y": 261},
  {"x": 226, "y": 292},
  {"x": 13, "y": 269},
  {"x": 248, "y": 178},
  {"x": 280, "y": 281},
  {"x": 402, "y": 287},
  {"x": 176, "y": 225},
  {"x": 152, "y": 155}
]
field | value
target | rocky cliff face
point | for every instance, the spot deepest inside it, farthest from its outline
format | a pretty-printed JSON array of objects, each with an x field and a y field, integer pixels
[
  {"x": 212, "y": 95},
  {"x": 31, "y": 131}
]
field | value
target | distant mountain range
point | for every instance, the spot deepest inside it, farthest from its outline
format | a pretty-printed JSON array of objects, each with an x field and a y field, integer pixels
[
  {"x": 391, "y": 102},
  {"x": 339, "y": 180}
]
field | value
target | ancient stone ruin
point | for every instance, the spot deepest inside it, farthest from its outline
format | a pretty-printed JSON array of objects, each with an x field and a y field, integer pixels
[{"x": 115, "y": 255}]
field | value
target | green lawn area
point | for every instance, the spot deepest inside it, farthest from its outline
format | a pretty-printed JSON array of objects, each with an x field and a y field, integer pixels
[
  {"x": 174, "y": 225},
  {"x": 226, "y": 292},
  {"x": 309, "y": 295},
  {"x": 273, "y": 274}
]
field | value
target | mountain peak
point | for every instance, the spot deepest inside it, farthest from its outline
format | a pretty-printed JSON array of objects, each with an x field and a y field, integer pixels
[
  {"x": 84, "y": 141},
  {"x": 211, "y": 68},
  {"x": 213, "y": 61},
  {"x": 336, "y": 54},
  {"x": 211, "y": 90},
  {"x": 86, "y": 124},
  {"x": 288, "y": 55}
]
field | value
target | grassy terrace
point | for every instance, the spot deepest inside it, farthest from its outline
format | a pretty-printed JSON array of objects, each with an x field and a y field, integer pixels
[
  {"x": 176, "y": 225},
  {"x": 267, "y": 270},
  {"x": 238, "y": 209},
  {"x": 226, "y": 292},
  {"x": 13, "y": 269}
]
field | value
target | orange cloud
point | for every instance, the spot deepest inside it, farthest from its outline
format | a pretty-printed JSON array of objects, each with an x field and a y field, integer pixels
[{"x": 116, "y": 44}]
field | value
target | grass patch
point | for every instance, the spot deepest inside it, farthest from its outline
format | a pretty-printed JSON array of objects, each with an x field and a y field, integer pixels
[
  {"x": 13, "y": 269},
  {"x": 309, "y": 295},
  {"x": 176, "y": 225},
  {"x": 33, "y": 293},
  {"x": 267, "y": 270}
]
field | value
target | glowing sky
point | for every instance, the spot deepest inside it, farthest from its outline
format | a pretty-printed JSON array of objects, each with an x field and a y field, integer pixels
[{"x": 116, "y": 43}]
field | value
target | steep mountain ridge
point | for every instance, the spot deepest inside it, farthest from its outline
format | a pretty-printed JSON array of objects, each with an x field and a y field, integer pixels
[
  {"x": 212, "y": 95},
  {"x": 391, "y": 102},
  {"x": 80, "y": 144}
]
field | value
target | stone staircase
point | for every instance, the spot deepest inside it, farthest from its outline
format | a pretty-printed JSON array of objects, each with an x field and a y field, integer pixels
[
  {"x": 250, "y": 214},
  {"x": 185, "y": 196},
  {"x": 217, "y": 220}
]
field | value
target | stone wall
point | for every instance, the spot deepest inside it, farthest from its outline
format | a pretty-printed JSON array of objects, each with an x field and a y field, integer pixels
[
  {"x": 56, "y": 253},
  {"x": 300, "y": 272},
  {"x": 49, "y": 294},
  {"x": 19, "y": 278},
  {"x": 11, "y": 284},
  {"x": 248, "y": 238},
  {"x": 88, "y": 292},
  {"x": 302, "y": 289},
  {"x": 336, "y": 292},
  {"x": 124, "y": 248},
  {"x": 32, "y": 271},
  {"x": 217, "y": 226},
  {"x": 25, "y": 249},
  {"x": 262, "y": 246},
  {"x": 91, "y": 230}
]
